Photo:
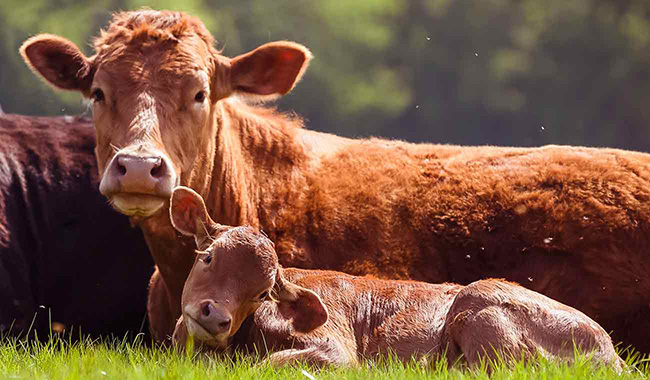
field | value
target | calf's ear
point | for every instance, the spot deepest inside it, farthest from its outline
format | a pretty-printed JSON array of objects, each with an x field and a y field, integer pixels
[
  {"x": 188, "y": 213},
  {"x": 300, "y": 305},
  {"x": 59, "y": 62},
  {"x": 269, "y": 71}
]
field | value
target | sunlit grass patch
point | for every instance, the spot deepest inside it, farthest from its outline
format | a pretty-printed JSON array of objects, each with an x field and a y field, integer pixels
[{"x": 128, "y": 359}]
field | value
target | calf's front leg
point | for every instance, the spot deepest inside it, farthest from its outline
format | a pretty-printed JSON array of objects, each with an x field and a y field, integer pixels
[{"x": 323, "y": 354}]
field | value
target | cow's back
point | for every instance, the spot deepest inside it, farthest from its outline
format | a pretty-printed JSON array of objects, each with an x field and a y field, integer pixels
[
  {"x": 436, "y": 213},
  {"x": 63, "y": 250}
]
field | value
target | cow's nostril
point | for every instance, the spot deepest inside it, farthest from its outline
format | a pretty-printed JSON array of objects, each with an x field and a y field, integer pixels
[
  {"x": 157, "y": 169},
  {"x": 205, "y": 310}
]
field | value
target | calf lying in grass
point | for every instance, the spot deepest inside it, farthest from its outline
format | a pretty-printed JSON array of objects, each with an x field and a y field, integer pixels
[{"x": 238, "y": 297}]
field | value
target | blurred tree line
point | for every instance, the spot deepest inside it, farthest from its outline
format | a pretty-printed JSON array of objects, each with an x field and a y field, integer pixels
[{"x": 503, "y": 72}]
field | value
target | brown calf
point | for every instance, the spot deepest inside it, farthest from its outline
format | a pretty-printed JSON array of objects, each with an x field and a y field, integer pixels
[
  {"x": 326, "y": 317},
  {"x": 572, "y": 223}
]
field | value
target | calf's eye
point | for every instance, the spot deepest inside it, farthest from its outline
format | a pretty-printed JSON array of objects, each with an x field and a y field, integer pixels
[
  {"x": 207, "y": 259},
  {"x": 263, "y": 296},
  {"x": 200, "y": 96},
  {"x": 97, "y": 95}
]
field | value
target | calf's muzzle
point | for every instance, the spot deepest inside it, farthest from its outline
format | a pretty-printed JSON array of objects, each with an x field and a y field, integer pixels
[{"x": 207, "y": 320}]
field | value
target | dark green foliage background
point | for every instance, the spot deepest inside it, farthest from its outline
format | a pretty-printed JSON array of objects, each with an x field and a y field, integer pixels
[{"x": 503, "y": 72}]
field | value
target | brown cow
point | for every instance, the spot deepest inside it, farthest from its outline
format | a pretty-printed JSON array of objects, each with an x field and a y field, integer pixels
[
  {"x": 572, "y": 223},
  {"x": 326, "y": 317}
]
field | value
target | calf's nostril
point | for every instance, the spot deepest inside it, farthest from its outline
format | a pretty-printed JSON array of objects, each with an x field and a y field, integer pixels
[
  {"x": 121, "y": 169},
  {"x": 205, "y": 310}
]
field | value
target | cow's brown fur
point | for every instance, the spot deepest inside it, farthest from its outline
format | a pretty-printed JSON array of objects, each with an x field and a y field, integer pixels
[
  {"x": 327, "y": 317},
  {"x": 572, "y": 223}
]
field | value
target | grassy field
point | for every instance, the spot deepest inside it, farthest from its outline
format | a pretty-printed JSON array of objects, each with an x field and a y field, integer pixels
[{"x": 60, "y": 359}]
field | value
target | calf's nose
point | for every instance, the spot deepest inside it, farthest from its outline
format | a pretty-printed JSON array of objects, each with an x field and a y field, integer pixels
[{"x": 213, "y": 318}]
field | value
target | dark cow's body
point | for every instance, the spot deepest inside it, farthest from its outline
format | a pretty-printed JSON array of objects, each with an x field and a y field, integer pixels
[{"x": 63, "y": 250}]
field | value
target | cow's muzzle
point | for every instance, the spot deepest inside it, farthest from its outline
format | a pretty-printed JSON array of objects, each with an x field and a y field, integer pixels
[{"x": 139, "y": 182}]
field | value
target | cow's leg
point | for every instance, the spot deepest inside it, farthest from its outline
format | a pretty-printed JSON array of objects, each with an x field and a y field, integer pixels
[
  {"x": 324, "y": 354},
  {"x": 161, "y": 320},
  {"x": 180, "y": 336}
]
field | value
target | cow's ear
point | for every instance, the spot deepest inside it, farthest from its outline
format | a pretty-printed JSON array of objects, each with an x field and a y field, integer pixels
[
  {"x": 269, "y": 71},
  {"x": 188, "y": 213},
  {"x": 301, "y": 306},
  {"x": 59, "y": 62}
]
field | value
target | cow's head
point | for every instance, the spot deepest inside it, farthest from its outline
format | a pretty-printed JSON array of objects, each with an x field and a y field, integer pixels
[
  {"x": 235, "y": 274},
  {"x": 154, "y": 81}
]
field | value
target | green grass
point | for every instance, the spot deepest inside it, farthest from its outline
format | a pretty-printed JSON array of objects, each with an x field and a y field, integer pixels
[{"x": 60, "y": 359}]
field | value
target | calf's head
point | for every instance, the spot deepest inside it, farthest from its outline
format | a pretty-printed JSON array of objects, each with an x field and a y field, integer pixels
[
  {"x": 235, "y": 272},
  {"x": 154, "y": 82}
]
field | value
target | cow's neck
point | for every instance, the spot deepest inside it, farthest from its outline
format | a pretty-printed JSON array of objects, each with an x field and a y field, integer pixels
[
  {"x": 256, "y": 164},
  {"x": 172, "y": 253}
]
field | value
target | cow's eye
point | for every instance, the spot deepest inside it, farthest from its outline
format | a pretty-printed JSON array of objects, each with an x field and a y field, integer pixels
[
  {"x": 263, "y": 296},
  {"x": 200, "y": 96},
  {"x": 207, "y": 259},
  {"x": 97, "y": 95}
]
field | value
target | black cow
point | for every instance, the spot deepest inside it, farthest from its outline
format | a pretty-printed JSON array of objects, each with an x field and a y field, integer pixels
[{"x": 65, "y": 255}]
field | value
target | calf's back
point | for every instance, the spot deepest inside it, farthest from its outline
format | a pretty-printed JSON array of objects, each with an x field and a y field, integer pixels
[{"x": 373, "y": 318}]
